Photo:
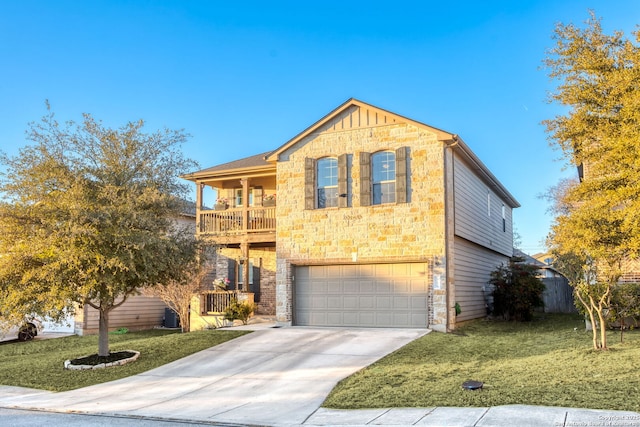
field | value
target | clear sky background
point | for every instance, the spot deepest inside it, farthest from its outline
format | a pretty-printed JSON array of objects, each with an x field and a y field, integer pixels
[{"x": 244, "y": 77}]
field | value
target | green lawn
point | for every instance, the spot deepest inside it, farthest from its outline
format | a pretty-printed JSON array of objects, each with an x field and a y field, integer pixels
[
  {"x": 546, "y": 362},
  {"x": 39, "y": 364}
]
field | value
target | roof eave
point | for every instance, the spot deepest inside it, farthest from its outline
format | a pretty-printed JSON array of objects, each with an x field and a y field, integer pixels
[
  {"x": 200, "y": 175},
  {"x": 483, "y": 170}
]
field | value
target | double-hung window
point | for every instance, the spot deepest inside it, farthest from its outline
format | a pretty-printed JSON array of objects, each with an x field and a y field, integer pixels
[
  {"x": 327, "y": 182},
  {"x": 384, "y": 177},
  {"x": 383, "y": 168}
]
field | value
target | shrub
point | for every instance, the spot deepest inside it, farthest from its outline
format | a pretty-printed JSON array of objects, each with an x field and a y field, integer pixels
[
  {"x": 517, "y": 290},
  {"x": 239, "y": 310}
]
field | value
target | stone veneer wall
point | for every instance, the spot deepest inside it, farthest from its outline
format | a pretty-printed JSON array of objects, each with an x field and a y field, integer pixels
[
  {"x": 413, "y": 231},
  {"x": 266, "y": 259}
]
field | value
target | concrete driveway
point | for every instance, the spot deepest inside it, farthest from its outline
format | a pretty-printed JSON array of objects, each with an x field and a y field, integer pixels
[{"x": 273, "y": 376}]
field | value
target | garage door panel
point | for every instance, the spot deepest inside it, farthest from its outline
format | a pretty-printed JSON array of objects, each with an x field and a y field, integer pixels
[
  {"x": 367, "y": 295},
  {"x": 334, "y": 303},
  {"x": 351, "y": 287},
  {"x": 384, "y": 303},
  {"x": 319, "y": 302},
  {"x": 366, "y": 302},
  {"x": 419, "y": 303},
  {"x": 402, "y": 320},
  {"x": 401, "y": 302},
  {"x": 333, "y": 287},
  {"x": 350, "y": 302},
  {"x": 383, "y": 287},
  {"x": 367, "y": 287},
  {"x": 366, "y": 318}
]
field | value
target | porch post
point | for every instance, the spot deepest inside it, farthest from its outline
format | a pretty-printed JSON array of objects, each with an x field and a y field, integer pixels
[
  {"x": 244, "y": 248},
  {"x": 199, "y": 191},
  {"x": 245, "y": 203}
]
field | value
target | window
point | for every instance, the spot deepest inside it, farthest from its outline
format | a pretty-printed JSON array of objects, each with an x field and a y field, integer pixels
[
  {"x": 383, "y": 168},
  {"x": 504, "y": 219},
  {"x": 237, "y": 197},
  {"x": 327, "y": 182}
]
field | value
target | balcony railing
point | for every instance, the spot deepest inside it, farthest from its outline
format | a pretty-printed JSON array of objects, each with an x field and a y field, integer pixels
[
  {"x": 232, "y": 221},
  {"x": 216, "y": 302}
]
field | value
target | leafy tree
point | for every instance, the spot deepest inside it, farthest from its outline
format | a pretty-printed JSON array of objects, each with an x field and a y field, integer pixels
[
  {"x": 517, "y": 290},
  {"x": 597, "y": 222},
  {"x": 86, "y": 217}
]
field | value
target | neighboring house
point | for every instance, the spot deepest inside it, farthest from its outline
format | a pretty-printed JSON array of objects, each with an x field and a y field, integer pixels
[{"x": 380, "y": 221}]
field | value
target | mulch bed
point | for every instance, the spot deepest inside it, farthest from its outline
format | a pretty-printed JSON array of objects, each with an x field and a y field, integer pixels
[{"x": 94, "y": 359}]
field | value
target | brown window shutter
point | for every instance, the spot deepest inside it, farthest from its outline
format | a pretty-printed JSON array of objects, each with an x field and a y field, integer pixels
[
  {"x": 309, "y": 183},
  {"x": 232, "y": 273},
  {"x": 365, "y": 179},
  {"x": 342, "y": 181},
  {"x": 401, "y": 175},
  {"x": 257, "y": 196}
]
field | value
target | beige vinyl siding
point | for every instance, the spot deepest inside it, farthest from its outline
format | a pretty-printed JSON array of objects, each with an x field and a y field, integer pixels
[
  {"x": 478, "y": 212},
  {"x": 137, "y": 313},
  {"x": 472, "y": 268}
]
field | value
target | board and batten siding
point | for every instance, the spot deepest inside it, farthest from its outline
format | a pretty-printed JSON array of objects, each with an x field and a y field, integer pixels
[
  {"x": 137, "y": 313},
  {"x": 479, "y": 212},
  {"x": 473, "y": 265}
]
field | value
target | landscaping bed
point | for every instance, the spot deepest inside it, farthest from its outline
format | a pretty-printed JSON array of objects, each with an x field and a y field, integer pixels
[
  {"x": 549, "y": 362},
  {"x": 40, "y": 364}
]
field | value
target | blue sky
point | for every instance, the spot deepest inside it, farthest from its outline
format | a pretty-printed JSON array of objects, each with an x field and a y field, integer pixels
[{"x": 244, "y": 77}]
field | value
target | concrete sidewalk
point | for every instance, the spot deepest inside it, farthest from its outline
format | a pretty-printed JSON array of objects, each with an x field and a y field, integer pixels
[
  {"x": 499, "y": 416},
  {"x": 279, "y": 377}
]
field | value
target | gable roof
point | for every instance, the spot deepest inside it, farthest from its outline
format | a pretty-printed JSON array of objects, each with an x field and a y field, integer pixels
[
  {"x": 383, "y": 117},
  {"x": 389, "y": 117}
]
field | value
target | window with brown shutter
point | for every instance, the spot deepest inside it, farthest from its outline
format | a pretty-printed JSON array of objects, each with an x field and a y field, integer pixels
[{"x": 309, "y": 183}]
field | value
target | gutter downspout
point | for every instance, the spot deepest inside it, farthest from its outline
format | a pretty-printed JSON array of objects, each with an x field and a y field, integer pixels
[{"x": 449, "y": 227}]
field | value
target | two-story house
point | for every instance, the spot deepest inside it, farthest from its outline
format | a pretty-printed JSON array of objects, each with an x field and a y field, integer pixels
[{"x": 380, "y": 221}]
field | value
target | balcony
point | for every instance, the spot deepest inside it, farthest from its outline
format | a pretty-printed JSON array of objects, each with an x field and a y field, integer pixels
[{"x": 253, "y": 224}]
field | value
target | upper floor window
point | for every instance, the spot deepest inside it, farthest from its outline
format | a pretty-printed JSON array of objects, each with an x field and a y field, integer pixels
[
  {"x": 238, "y": 198},
  {"x": 384, "y": 177},
  {"x": 383, "y": 168},
  {"x": 327, "y": 182}
]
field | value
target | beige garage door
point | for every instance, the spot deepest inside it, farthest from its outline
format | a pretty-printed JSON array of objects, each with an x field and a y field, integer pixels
[{"x": 369, "y": 295}]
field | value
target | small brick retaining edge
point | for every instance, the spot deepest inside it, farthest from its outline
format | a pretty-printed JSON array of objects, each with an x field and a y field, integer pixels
[{"x": 68, "y": 365}]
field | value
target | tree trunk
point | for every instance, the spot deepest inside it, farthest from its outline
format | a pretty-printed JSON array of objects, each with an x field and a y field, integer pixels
[
  {"x": 603, "y": 330},
  {"x": 103, "y": 333},
  {"x": 589, "y": 308},
  {"x": 184, "y": 319}
]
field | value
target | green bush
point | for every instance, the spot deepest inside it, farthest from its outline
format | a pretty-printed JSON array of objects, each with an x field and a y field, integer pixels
[
  {"x": 625, "y": 303},
  {"x": 517, "y": 290},
  {"x": 239, "y": 311}
]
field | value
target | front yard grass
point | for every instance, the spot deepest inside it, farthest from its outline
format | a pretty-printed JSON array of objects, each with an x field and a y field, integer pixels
[
  {"x": 39, "y": 364},
  {"x": 546, "y": 362}
]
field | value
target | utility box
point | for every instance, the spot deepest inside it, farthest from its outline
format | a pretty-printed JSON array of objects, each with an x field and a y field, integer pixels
[{"x": 171, "y": 318}]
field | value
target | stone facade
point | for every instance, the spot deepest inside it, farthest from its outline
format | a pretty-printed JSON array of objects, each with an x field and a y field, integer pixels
[
  {"x": 403, "y": 232},
  {"x": 262, "y": 259}
]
